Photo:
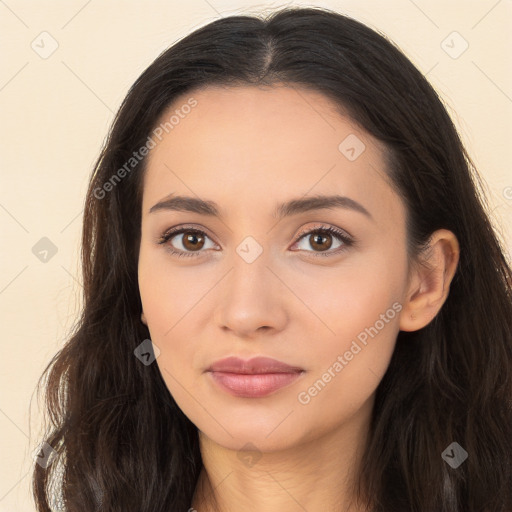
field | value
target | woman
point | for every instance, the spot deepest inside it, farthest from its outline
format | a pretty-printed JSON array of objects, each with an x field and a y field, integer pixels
[{"x": 293, "y": 296}]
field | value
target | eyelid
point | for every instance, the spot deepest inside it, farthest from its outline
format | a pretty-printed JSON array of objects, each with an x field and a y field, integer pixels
[
  {"x": 319, "y": 226},
  {"x": 183, "y": 227}
]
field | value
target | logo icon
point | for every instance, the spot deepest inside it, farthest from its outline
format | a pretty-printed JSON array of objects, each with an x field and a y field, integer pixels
[
  {"x": 454, "y": 45},
  {"x": 146, "y": 352},
  {"x": 44, "y": 45},
  {"x": 44, "y": 250},
  {"x": 454, "y": 455},
  {"x": 351, "y": 147}
]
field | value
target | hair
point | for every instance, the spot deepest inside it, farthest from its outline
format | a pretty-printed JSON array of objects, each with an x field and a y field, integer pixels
[{"x": 120, "y": 439}]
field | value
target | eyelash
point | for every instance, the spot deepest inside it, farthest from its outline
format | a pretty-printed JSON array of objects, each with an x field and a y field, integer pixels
[{"x": 347, "y": 241}]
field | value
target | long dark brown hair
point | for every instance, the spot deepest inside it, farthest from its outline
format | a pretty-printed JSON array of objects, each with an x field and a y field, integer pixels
[{"x": 119, "y": 438}]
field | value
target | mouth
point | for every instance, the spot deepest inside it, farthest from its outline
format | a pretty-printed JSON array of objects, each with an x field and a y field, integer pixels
[{"x": 255, "y": 378}]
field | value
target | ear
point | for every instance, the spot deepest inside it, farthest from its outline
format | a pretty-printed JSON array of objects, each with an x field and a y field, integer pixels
[
  {"x": 143, "y": 318},
  {"x": 429, "y": 282}
]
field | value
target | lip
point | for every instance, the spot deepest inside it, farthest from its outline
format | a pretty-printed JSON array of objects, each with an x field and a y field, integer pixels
[
  {"x": 256, "y": 365},
  {"x": 257, "y": 377}
]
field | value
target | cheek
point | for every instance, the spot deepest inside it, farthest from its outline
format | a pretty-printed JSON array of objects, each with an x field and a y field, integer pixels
[
  {"x": 359, "y": 312},
  {"x": 346, "y": 367},
  {"x": 356, "y": 296},
  {"x": 168, "y": 293},
  {"x": 171, "y": 299}
]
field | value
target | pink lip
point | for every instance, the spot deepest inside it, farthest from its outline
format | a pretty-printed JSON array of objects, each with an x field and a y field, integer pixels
[
  {"x": 254, "y": 378},
  {"x": 252, "y": 366}
]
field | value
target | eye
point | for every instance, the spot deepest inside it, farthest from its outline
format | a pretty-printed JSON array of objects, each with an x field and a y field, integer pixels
[
  {"x": 321, "y": 238},
  {"x": 191, "y": 243},
  {"x": 195, "y": 239}
]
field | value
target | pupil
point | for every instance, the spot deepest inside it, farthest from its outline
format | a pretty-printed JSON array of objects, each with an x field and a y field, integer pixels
[
  {"x": 320, "y": 239},
  {"x": 193, "y": 239}
]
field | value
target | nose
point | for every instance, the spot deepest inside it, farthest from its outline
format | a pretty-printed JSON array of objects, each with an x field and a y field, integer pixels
[{"x": 252, "y": 299}]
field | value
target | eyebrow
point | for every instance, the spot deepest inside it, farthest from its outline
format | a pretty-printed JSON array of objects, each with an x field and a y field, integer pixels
[{"x": 287, "y": 209}]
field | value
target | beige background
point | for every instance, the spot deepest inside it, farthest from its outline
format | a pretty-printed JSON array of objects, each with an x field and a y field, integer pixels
[{"x": 56, "y": 111}]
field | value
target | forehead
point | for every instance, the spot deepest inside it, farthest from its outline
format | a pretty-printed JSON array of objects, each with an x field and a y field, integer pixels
[{"x": 245, "y": 144}]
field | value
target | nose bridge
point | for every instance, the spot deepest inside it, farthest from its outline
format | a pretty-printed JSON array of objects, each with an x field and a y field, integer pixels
[
  {"x": 250, "y": 298},
  {"x": 250, "y": 274}
]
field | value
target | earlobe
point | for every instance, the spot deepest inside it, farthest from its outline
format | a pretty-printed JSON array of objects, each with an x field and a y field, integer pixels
[
  {"x": 143, "y": 318},
  {"x": 430, "y": 283}
]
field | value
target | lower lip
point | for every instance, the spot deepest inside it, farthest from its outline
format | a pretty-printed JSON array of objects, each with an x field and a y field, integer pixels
[{"x": 253, "y": 385}]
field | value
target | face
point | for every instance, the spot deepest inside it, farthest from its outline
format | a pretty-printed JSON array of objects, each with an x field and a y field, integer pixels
[{"x": 246, "y": 281}]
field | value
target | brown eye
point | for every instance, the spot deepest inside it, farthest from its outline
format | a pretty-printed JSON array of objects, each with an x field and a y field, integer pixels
[
  {"x": 191, "y": 243},
  {"x": 320, "y": 241},
  {"x": 192, "y": 240}
]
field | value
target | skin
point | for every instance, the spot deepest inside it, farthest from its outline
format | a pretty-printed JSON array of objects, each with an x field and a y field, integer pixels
[{"x": 247, "y": 149}]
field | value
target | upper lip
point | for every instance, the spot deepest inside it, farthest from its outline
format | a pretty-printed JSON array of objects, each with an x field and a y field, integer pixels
[{"x": 256, "y": 365}]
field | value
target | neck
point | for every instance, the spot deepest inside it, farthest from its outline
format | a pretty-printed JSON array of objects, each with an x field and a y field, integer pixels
[{"x": 317, "y": 476}]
